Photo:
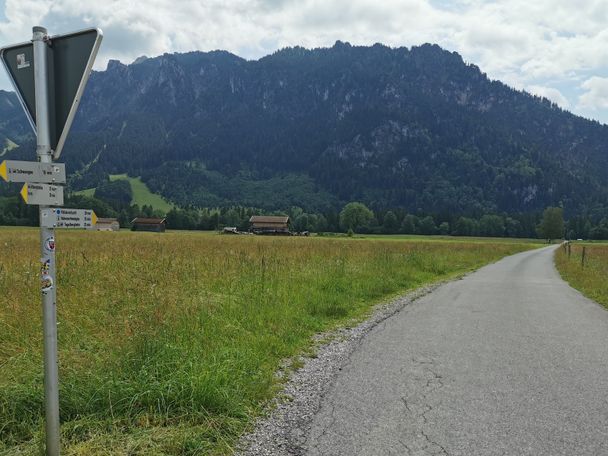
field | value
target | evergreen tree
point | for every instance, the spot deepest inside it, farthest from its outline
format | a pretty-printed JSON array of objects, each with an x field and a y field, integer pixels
[
  {"x": 409, "y": 225},
  {"x": 390, "y": 224}
]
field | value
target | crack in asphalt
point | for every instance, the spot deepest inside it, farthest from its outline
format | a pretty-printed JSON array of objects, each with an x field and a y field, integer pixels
[
  {"x": 327, "y": 428},
  {"x": 405, "y": 403},
  {"x": 284, "y": 431},
  {"x": 433, "y": 384},
  {"x": 441, "y": 450}
]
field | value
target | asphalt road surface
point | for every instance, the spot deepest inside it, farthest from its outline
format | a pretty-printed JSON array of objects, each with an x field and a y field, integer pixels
[{"x": 508, "y": 361}]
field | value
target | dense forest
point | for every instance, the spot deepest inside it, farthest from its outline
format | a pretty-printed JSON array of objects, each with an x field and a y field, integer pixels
[{"x": 404, "y": 131}]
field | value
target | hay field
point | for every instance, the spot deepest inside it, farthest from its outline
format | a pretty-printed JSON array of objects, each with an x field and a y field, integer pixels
[{"x": 592, "y": 277}]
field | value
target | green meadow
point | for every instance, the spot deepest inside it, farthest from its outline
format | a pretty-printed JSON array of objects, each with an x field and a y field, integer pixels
[
  {"x": 169, "y": 343},
  {"x": 141, "y": 193}
]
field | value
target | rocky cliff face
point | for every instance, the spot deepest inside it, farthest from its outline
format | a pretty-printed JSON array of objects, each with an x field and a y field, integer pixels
[{"x": 415, "y": 128}]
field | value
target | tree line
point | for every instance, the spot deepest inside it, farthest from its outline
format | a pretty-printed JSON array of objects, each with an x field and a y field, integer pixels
[{"x": 354, "y": 217}]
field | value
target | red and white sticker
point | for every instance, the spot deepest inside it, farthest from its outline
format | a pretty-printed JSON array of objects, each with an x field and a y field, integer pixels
[{"x": 49, "y": 244}]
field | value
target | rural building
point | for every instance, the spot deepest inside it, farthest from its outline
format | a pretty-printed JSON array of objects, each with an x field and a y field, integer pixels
[
  {"x": 269, "y": 224},
  {"x": 107, "y": 224},
  {"x": 157, "y": 225}
]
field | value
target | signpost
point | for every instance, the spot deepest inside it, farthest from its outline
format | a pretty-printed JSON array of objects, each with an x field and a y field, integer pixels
[
  {"x": 42, "y": 194},
  {"x": 22, "y": 171},
  {"x": 67, "y": 218},
  {"x": 49, "y": 75}
]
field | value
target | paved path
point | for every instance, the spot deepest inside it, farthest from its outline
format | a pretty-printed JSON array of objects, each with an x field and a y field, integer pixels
[{"x": 508, "y": 361}]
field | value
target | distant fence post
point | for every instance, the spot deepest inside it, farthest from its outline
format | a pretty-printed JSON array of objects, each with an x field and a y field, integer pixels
[
  {"x": 569, "y": 250},
  {"x": 583, "y": 257}
]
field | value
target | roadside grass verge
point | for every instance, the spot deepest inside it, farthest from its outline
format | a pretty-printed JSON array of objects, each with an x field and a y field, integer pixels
[
  {"x": 169, "y": 344},
  {"x": 590, "y": 279}
]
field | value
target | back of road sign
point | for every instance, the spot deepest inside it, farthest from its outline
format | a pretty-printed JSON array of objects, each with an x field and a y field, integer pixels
[{"x": 70, "y": 59}]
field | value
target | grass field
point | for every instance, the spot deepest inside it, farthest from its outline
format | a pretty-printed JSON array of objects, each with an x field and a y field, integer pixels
[
  {"x": 592, "y": 278},
  {"x": 90, "y": 192},
  {"x": 169, "y": 344},
  {"x": 141, "y": 193}
]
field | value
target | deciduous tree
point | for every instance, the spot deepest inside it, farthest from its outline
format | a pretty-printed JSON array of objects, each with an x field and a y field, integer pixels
[
  {"x": 354, "y": 216},
  {"x": 552, "y": 224}
]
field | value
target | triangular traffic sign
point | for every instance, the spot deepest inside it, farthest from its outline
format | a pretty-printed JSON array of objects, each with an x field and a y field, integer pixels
[{"x": 70, "y": 60}]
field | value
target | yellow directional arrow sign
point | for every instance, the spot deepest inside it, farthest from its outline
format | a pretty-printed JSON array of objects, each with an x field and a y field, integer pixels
[
  {"x": 42, "y": 194},
  {"x": 24, "y": 193},
  {"x": 3, "y": 173}
]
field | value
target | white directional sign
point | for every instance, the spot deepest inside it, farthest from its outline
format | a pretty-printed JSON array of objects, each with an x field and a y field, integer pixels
[
  {"x": 24, "y": 171},
  {"x": 42, "y": 194},
  {"x": 67, "y": 218}
]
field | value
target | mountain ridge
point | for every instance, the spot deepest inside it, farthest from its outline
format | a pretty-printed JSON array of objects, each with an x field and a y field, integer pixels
[{"x": 416, "y": 128}]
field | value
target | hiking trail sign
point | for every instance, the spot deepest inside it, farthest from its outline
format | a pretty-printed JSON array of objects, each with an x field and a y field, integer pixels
[
  {"x": 42, "y": 194},
  {"x": 49, "y": 75},
  {"x": 24, "y": 171},
  {"x": 67, "y": 218}
]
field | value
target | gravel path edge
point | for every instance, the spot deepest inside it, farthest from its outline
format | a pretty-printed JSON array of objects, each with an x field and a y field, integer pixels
[{"x": 283, "y": 431}]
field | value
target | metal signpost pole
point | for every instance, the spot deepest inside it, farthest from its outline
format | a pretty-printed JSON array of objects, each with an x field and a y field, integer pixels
[{"x": 47, "y": 249}]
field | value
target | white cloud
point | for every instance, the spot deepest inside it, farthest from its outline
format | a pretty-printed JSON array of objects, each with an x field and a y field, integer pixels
[
  {"x": 596, "y": 94},
  {"x": 541, "y": 38},
  {"x": 527, "y": 44},
  {"x": 551, "y": 94}
]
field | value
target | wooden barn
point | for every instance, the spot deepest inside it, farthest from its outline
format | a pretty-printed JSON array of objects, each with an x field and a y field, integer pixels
[
  {"x": 269, "y": 224},
  {"x": 107, "y": 224},
  {"x": 156, "y": 225}
]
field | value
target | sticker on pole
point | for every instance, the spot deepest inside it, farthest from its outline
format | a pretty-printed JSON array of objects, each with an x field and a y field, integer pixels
[
  {"x": 46, "y": 283},
  {"x": 46, "y": 280},
  {"x": 49, "y": 244},
  {"x": 71, "y": 58},
  {"x": 22, "y": 62}
]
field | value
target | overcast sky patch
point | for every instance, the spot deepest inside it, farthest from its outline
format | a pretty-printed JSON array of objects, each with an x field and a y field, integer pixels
[
  {"x": 553, "y": 48},
  {"x": 596, "y": 94}
]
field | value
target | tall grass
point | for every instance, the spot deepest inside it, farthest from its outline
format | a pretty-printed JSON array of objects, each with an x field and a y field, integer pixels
[
  {"x": 169, "y": 343},
  {"x": 591, "y": 278}
]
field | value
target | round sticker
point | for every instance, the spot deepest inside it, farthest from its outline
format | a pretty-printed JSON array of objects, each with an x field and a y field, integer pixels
[{"x": 49, "y": 244}]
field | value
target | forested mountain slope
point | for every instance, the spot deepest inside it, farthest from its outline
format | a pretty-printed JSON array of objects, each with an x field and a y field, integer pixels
[{"x": 413, "y": 128}]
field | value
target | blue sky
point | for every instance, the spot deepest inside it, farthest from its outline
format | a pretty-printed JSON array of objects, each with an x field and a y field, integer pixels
[{"x": 554, "y": 48}]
